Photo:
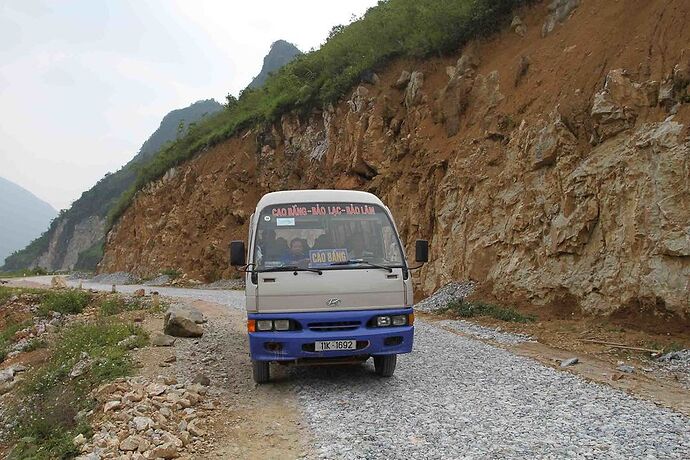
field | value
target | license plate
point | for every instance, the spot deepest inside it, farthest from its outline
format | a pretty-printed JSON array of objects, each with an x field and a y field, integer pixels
[{"x": 335, "y": 345}]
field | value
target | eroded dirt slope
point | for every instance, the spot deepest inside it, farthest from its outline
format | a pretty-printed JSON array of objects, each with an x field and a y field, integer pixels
[{"x": 550, "y": 166}]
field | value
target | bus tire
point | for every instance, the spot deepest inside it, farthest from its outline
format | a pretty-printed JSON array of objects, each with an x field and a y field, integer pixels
[
  {"x": 261, "y": 371},
  {"x": 385, "y": 365}
]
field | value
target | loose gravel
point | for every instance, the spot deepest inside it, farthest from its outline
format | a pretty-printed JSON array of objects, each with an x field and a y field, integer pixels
[
  {"x": 676, "y": 363},
  {"x": 485, "y": 333},
  {"x": 441, "y": 298},
  {"x": 235, "y": 284},
  {"x": 160, "y": 280},
  {"x": 455, "y": 397},
  {"x": 115, "y": 278}
]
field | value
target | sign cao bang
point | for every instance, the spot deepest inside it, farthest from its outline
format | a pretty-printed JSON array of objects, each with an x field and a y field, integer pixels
[{"x": 325, "y": 257}]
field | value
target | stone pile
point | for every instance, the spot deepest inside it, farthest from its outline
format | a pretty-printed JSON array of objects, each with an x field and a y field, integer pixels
[
  {"x": 440, "y": 299},
  {"x": 146, "y": 419},
  {"x": 22, "y": 307}
]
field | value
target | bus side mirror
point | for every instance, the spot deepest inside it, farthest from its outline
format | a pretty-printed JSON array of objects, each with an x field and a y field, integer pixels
[
  {"x": 421, "y": 251},
  {"x": 237, "y": 258}
]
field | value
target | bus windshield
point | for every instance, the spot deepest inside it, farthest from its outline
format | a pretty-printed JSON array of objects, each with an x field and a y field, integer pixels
[{"x": 325, "y": 236}]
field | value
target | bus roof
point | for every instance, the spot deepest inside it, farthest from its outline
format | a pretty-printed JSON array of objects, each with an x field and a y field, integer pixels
[{"x": 315, "y": 196}]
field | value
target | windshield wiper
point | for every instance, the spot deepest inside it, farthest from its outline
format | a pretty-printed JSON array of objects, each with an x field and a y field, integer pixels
[
  {"x": 290, "y": 268},
  {"x": 359, "y": 261}
]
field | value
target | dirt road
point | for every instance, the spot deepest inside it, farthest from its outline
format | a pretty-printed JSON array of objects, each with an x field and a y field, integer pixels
[{"x": 453, "y": 397}]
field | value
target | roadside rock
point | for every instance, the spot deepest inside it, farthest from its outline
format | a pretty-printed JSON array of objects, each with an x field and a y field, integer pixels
[
  {"x": 162, "y": 340},
  {"x": 201, "y": 379},
  {"x": 569, "y": 362},
  {"x": 181, "y": 323},
  {"x": 6, "y": 375},
  {"x": 81, "y": 367},
  {"x": 58, "y": 282}
]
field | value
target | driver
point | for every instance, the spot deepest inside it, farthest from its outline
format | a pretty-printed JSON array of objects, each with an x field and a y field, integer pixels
[{"x": 358, "y": 248}]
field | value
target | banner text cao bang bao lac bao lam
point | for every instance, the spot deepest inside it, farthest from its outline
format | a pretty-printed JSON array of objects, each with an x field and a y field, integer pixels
[{"x": 323, "y": 210}]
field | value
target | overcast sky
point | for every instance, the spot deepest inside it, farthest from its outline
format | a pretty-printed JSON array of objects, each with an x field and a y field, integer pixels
[{"x": 84, "y": 82}]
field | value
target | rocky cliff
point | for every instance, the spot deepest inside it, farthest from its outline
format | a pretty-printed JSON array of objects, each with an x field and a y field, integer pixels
[{"x": 551, "y": 164}]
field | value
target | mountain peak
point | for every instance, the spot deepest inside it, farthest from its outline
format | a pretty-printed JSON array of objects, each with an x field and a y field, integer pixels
[{"x": 281, "y": 53}]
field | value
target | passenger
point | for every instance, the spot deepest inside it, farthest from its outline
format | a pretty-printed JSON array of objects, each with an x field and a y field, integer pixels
[
  {"x": 297, "y": 255},
  {"x": 272, "y": 248}
]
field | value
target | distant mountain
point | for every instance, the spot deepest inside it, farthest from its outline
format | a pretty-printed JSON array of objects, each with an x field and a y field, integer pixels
[
  {"x": 23, "y": 217},
  {"x": 281, "y": 53},
  {"x": 168, "y": 130},
  {"x": 74, "y": 240}
]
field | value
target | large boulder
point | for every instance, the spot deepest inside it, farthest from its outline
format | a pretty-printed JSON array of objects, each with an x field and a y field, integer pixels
[{"x": 180, "y": 322}]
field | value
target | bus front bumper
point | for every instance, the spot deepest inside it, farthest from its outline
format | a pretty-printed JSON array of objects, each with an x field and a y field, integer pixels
[{"x": 357, "y": 326}]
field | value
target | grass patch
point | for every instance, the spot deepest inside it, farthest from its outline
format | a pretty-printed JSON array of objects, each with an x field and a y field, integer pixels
[
  {"x": 35, "y": 344},
  {"x": 113, "y": 305},
  {"x": 172, "y": 273},
  {"x": 466, "y": 309},
  {"x": 46, "y": 430},
  {"x": 66, "y": 302}
]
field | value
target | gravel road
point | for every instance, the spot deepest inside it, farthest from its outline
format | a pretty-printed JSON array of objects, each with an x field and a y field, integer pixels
[{"x": 455, "y": 397}]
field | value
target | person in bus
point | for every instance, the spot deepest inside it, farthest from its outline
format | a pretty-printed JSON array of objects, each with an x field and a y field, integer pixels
[
  {"x": 297, "y": 253},
  {"x": 357, "y": 248}
]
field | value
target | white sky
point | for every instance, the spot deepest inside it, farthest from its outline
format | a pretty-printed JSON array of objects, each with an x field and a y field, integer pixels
[{"x": 84, "y": 82}]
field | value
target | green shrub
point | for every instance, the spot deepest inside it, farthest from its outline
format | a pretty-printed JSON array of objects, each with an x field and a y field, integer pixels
[
  {"x": 67, "y": 302},
  {"x": 172, "y": 273},
  {"x": 35, "y": 344},
  {"x": 115, "y": 304},
  {"x": 465, "y": 309}
]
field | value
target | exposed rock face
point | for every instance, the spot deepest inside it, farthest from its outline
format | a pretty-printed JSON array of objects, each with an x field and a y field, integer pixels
[{"x": 569, "y": 189}]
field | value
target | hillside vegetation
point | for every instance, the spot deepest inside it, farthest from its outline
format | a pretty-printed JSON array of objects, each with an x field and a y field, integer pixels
[{"x": 394, "y": 28}]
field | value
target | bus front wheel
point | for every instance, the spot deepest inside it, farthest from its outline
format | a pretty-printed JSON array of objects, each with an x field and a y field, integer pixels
[
  {"x": 385, "y": 365},
  {"x": 261, "y": 371}
]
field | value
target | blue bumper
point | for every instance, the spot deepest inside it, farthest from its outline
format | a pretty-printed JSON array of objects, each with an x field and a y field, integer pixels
[{"x": 326, "y": 326}]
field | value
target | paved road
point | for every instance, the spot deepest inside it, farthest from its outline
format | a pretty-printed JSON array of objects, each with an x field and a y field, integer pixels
[{"x": 455, "y": 397}]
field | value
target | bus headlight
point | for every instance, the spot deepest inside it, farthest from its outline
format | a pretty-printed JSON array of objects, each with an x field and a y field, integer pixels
[
  {"x": 399, "y": 320},
  {"x": 281, "y": 324},
  {"x": 383, "y": 321},
  {"x": 264, "y": 325}
]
